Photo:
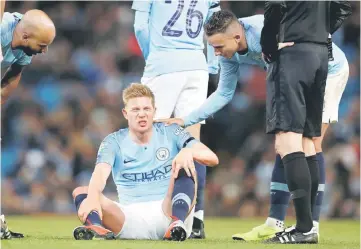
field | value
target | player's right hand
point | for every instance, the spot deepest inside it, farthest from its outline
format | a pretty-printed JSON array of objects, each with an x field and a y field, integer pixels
[
  {"x": 184, "y": 160},
  {"x": 88, "y": 205},
  {"x": 285, "y": 44},
  {"x": 169, "y": 121}
]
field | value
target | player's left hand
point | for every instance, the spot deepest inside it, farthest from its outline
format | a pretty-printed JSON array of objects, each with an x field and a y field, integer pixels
[
  {"x": 184, "y": 160},
  {"x": 169, "y": 121}
]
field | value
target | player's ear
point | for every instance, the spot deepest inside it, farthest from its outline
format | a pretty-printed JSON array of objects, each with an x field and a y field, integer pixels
[
  {"x": 25, "y": 37},
  {"x": 237, "y": 38},
  {"x": 125, "y": 114}
]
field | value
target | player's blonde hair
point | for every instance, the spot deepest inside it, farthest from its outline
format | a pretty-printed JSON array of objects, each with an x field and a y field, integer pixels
[{"x": 136, "y": 90}]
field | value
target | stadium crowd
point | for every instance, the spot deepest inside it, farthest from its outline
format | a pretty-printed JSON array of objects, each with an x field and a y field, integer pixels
[{"x": 70, "y": 99}]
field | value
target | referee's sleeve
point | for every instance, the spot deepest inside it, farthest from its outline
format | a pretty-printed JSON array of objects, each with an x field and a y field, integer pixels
[{"x": 339, "y": 12}]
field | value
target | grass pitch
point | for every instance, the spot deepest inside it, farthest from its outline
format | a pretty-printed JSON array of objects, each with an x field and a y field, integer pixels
[{"x": 55, "y": 232}]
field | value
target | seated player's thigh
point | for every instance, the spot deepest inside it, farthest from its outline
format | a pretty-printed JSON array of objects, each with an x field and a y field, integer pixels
[
  {"x": 193, "y": 94},
  {"x": 166, "y": 89},
  {"x": 113, "y": 217}
]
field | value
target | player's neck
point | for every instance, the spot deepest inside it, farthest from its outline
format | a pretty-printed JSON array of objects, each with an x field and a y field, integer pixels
[{"x": 141, "y": 138}]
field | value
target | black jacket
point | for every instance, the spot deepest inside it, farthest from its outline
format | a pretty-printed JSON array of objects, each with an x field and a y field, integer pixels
[{"x": 301, "y": 21}]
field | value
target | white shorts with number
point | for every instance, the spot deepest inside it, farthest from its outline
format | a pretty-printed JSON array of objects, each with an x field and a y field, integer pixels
[
  {"x": 178, "y": 93},
  {"x": 147, "y": 220},
  {"x": 335, "y": 85}
]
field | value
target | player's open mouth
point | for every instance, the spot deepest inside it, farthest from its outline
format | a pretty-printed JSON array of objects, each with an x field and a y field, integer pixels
[{"x": 142, "y": 123}]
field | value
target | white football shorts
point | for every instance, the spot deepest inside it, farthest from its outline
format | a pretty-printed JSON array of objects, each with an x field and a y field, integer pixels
[
  {"x": 335, "y": 86},
  {"x": 147, "y": 221},
  {"x": 178, "y": 94}
]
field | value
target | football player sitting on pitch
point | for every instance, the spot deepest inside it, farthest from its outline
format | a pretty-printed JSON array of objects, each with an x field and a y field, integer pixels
[{"x": 153, "y": 168}]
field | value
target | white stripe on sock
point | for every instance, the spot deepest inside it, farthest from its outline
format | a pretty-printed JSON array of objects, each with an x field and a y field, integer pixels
[
  {"x": 321, "y": 187},
  {"x": 182, "y": 196},
  {"x": 199, "y": 214}
]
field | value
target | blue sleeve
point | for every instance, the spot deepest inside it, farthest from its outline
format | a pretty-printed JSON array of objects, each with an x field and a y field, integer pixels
[
  {"x": 221, "y": 97},
  {"x": 141, "y": 25},
  {"x": 107, "y": 150},
  {"x": 142, "y": 5},
  {"x": 181, "y": 137},
  {"x": 212, "y": 59},
  {"x": 24, "y": 60}
]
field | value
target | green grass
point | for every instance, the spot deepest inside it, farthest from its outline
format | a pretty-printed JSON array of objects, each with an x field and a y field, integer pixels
[{"x": 55, "y": 232}]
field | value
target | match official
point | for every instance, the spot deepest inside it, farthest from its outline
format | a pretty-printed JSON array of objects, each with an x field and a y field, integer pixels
[{"x": 296, "y": 79}]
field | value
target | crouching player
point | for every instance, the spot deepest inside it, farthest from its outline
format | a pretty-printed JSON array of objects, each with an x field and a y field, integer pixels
[{"x": 153, "y": 168}]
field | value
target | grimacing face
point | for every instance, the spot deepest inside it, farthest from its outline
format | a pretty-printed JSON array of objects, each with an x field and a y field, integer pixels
[
  {"x": 224, "y": 44},
  {"x": 139, "y": 112}
]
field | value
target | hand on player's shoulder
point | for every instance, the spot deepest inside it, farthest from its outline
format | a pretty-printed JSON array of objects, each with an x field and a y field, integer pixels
[{"x": 170, "y": 121}]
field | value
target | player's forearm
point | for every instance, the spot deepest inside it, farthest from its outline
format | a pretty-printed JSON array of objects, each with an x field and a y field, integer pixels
[
  {"x": 8, "y": 85},
  {"x": 98, "y": 180},
  {"x": 213, "y": 104},
  {"x": 2, "y": 9},
  {"x": 272, "y": 18},
  {"x": 204, "y": 155},
  {"x": 340, "y": 11},
  {"x": 141, "y": 31}
]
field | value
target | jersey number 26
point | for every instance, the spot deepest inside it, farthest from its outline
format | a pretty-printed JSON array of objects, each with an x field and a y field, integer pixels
[{"x": 191, "y": 13}]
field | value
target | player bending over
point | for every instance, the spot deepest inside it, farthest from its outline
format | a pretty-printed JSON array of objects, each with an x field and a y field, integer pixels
[
  {"x": 22, "y": 36},
  {"x": 153, "y": 168},
  {"x": 237, "y": 42}
]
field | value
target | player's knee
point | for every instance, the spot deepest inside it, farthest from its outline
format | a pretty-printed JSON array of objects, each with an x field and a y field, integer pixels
[
  {"x": 317, "y": 142},
  {"x": 308, "y": 146},
  {"x": 80, "y": 190},
  {"x": 183, "y": 173},
  {"x": 287, "y": 143}
]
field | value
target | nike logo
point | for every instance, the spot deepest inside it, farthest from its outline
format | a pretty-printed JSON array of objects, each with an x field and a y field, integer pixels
[{"x": 128, "y": 161}]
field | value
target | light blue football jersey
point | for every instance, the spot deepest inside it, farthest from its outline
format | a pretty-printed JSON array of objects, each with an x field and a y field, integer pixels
[
  {"x": 142, "y": 172},
  {"x": 10, "y": 56},
  {"x": 175, "y": 41},
  {"x": 229, "y": 70}
]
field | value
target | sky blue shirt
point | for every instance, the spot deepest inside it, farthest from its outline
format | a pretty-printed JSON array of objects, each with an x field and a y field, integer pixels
[
  {"x": 170, "y": 35},
  {"x": 10, "y": 56},
  {"x": 142, "y": 172},
  {"x": 229, "y": 70}
]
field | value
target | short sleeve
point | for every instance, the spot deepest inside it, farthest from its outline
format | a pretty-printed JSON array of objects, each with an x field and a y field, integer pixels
[
  {"x": 181, "y": 137},
  {"x": 142, "y": 5},
  {"x": 107, "y": 151}
]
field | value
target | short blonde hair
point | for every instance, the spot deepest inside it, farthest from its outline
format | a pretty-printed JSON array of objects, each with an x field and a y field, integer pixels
[{"x": 136, "y": 90}]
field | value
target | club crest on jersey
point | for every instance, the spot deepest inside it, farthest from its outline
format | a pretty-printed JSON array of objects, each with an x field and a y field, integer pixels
[{"x": 162, "y": 154}]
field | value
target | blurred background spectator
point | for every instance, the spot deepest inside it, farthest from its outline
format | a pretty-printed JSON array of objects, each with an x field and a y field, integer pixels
[{"x": 70, "y": 99}]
